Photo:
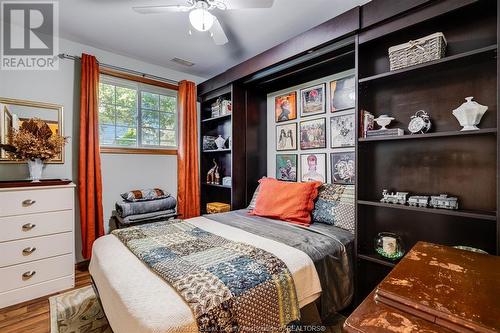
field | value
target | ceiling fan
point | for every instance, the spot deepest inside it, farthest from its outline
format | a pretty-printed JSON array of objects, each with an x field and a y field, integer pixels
[{"x": 199, "y": 13}]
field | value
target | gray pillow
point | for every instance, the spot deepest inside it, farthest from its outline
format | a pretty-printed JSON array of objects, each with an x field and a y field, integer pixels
[{"x": 335, "y": 206}]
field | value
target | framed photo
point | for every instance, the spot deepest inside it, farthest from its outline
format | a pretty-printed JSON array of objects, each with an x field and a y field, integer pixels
[
  {"x": 342, "y": 94},
  {"x": 342, "y": 129},
  {"x": 313, "y": 167},
  {"x": 285, "y": 107},
  {"x": 286, "y": 167},
  {"x": 312, "y": 100},
  {"x": 343, "y": 167},
  {"x": 313, "y": 134},
  {"x": 286, "y": 137}
]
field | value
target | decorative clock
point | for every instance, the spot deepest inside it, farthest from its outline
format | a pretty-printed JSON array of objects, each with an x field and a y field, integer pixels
[{"x": 420, "y": 122}]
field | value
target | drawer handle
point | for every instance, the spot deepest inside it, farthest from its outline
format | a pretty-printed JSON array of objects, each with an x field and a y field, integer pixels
[
  {"x": 29, "y": 250},
  {"x": 28, "y": 226},
  {"x": 28, "y": 202},
  {"x": 28, "y": 275}
]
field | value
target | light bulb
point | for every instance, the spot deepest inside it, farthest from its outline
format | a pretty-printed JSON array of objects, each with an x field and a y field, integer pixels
[{"x": 201, "y": 19}]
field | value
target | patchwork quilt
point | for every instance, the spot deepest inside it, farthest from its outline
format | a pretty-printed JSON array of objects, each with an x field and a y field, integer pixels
[{"x": 229, "y": 286}]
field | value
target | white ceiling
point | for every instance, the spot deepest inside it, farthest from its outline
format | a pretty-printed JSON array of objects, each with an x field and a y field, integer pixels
[{"x": 113, "y": 26}]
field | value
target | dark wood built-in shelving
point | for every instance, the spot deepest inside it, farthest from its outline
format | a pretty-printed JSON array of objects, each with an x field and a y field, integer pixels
[
  {"x": 375, "y": 258},
  {"x": 488, "y": 51},
  {"x": 490, "y": 216},
  {"x": 430, "y": 135},
  {"x": 217, "y": 185},
  {"x": 225, "y": 150},
  {"x": 224, "y": 117}
]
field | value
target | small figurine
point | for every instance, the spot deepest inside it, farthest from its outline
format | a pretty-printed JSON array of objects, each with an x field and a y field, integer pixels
[
  {"x": 443, "y": 201},
  {"x": 213, "y": 174},
  {"x": 418, "y": 201},
  {"x": 394, "y": 198}
]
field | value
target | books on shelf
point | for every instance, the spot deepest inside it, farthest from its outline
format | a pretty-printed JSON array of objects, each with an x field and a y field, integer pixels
[
  {"x": 385, "y": 132},
  {"x": 366, "y": 122}
]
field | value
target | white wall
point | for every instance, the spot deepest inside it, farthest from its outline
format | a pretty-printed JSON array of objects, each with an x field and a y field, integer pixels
[
  {"x": 271, "y": 127},
  {"x": 120, "y": 172}
]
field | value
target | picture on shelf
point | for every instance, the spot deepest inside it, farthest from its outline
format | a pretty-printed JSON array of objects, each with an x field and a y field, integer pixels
[
  {"x": 313, "y": 167},
  {"x": 286, "y": 167},
  {"x": 285, "y": 107},
  {"x": 312, "y": 100},
  {"x": 286, "y": 137},
  {"x": 342, "y": 94},
  {"x": 343, "y": 167},
  {"x": 343, "y": 129},
  {"x": 313, "y": 134}
]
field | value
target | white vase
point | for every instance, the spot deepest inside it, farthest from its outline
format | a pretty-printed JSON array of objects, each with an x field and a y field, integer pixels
[
  {"x": 220, "y": 141},
  {"x": 469, "y": 114},
  {"x": 35, "y": 167}
]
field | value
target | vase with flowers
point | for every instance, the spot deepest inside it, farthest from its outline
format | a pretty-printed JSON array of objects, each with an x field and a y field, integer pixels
[{"x": 35, "y": 143}]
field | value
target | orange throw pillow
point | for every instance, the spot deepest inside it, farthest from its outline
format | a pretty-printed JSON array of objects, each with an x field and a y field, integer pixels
[{"x": 291, "y": 202}]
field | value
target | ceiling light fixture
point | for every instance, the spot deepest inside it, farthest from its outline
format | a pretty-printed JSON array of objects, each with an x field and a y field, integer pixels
[{"x": 200, "y": 18}]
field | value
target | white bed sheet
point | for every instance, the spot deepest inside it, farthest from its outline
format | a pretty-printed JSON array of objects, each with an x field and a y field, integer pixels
[{"x": 135, "y": 299}]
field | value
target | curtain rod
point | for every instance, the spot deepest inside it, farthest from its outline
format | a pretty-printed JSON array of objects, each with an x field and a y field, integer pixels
[{"x": 121, "y": 69}]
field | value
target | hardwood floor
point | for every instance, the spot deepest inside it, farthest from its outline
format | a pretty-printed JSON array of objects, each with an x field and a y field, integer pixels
[{"x": 34, "y": 316}]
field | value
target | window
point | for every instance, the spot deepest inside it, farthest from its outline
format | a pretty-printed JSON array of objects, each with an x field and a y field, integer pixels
[{"x": 136, "y": 115}]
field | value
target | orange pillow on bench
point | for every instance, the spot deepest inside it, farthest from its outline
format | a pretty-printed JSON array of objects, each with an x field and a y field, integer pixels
[{"x": 291, "y": 202}]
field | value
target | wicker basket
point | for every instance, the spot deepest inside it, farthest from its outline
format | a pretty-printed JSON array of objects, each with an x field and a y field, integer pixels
[{"x": 418, "y": 51}]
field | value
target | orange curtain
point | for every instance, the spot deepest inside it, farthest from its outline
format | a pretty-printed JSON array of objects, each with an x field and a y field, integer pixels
[
  {"x": 89, "y": 168},
  {"x": 188, "y": 184}
]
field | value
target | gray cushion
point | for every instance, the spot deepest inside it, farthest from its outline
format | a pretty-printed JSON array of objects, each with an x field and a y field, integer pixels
[{"x": 335, "y": 206}]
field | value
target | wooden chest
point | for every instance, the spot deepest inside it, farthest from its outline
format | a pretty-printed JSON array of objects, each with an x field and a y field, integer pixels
[
  {"x": 435, "y": 289},
  {"x": 217, "y": 207}
]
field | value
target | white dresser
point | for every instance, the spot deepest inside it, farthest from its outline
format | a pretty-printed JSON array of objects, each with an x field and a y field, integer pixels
[{"x": 37, "y": 242}]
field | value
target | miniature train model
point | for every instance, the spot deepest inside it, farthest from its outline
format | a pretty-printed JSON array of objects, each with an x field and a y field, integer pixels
[
  {"x": 394, "y": 198},
  {"x": 443, "y": 201},
  {"x": 418, "y": 201},
  {"x": 440, "y": 201}
]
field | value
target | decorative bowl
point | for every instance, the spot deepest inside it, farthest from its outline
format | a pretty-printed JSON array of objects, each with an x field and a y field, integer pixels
[
  {"x": 469, "y": 114},
  {"x": 383, "y": 121}
]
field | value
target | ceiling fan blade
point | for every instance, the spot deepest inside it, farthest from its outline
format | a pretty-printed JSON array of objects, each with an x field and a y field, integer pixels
[
  {"x": 218, "y": 33},
  {"x": 161, "y": 9},
  {"x": 242, "y": 4}
]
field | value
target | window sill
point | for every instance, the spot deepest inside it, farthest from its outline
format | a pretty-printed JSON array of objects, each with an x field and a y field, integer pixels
[{"x": 138, "y": 151}]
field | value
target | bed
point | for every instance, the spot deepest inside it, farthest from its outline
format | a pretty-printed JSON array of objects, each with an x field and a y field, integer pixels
[{"x": 135, "y": 299}]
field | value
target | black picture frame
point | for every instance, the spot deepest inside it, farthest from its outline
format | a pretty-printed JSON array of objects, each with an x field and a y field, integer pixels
[
  {"x": 304, "y": 137},
  {"x": 294, "y": 139},
  {"x": 343, "y": 167},
  {"x": 280, "y": 175},
  {"x": 323, "y": 165},
  {"x": 305, "y": 99}
]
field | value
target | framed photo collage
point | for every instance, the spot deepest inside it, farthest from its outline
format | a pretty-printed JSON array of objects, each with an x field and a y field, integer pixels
[{"x": 312, "y": 123}]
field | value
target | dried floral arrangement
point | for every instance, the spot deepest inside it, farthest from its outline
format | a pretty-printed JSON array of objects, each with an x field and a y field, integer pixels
[{"x": 33, "y": 140}]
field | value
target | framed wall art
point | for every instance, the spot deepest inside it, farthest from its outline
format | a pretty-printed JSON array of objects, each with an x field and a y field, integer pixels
[
  {"x": 286, "y": 167},
  {"x": 285, "y": 107},
  {"x": 342, "y": 129},
  {"x": 313, "y": 134},
  {"x": 342, "y": 94},
  {"x": 343, "y": 167},
  {"x": 313, "y": 167},
  {"x": 312, "y": 100},
  {"x": 286, "y": 137}
]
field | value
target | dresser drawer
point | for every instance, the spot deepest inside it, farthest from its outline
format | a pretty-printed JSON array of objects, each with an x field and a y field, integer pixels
[
  {"x": 35, "y": 201},
  {"x": 21, "y": 251},
  {"x": 23, "y": 275},
  {"x": 33, "y": 225},
  {"x": 36, "y": 290}
]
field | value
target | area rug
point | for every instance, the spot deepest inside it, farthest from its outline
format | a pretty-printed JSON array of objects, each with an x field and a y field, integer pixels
[{"x": 77, "y": 311}]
